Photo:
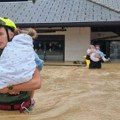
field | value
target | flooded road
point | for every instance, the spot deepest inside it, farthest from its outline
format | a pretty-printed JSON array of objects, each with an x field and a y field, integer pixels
[{"x": 75, "y": 93}]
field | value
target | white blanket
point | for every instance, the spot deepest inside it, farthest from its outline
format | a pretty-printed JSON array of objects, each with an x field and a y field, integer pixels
[{"x": 17, "y": 62}]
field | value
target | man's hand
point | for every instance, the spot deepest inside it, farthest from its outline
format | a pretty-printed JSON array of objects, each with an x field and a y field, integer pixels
[
  {"x": 11, "y": 92},
  {"x": 4, "y": 90}
]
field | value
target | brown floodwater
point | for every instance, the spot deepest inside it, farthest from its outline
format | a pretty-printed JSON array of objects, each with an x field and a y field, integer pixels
[{"x": 75, "y": 93}]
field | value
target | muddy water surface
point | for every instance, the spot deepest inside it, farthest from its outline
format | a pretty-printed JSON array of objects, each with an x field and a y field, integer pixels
[{"x": 75, "y": 93}]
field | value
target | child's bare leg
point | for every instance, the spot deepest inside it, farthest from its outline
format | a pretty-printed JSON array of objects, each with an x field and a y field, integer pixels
[{"x": 105, "y": 59}]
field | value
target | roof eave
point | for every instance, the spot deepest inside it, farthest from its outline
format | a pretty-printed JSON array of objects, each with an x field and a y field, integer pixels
[{"x": 71, "y": 24}]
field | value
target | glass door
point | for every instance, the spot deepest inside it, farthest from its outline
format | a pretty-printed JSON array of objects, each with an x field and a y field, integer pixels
[{"x": 50, "y": 47}]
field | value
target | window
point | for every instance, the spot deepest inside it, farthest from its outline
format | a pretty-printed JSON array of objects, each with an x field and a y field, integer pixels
[{"x": 50, "y": 47}]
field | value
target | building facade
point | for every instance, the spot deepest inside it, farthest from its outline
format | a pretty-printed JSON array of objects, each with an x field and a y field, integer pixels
[
  {"x": 66, "y": 28},
  {"x": 68, "y": 45}
]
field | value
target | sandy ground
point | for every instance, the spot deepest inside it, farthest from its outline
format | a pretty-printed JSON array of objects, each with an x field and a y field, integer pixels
[{"x": 75, "y": 93}]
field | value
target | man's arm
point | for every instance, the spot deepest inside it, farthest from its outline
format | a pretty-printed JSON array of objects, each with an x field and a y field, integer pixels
[{"x": 33, "y": 84}]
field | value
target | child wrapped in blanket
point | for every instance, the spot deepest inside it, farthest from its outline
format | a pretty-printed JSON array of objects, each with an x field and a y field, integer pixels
[{"x": 19, "y": 60}]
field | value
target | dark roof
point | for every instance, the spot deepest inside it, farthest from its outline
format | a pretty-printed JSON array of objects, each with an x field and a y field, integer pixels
[
  {"x": 110, "y": 4},
  {"x": 63, "y": 12}
]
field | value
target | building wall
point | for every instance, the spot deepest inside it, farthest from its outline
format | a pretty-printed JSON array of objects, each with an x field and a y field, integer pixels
[{"x": 77, "y": 40}]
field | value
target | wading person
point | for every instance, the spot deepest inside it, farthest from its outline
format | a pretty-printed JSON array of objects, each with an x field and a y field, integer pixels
[
  {"x": 95, "y": 61},
  {"x": 21, "y": 93}
]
